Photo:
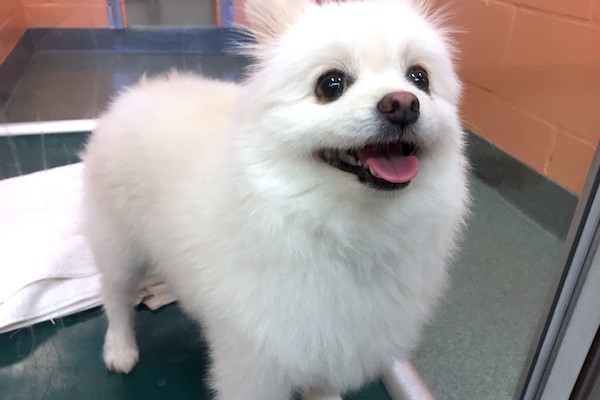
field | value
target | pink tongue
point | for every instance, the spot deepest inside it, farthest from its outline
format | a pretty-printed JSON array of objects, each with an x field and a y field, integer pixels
[{"x": 390, "y": 164}]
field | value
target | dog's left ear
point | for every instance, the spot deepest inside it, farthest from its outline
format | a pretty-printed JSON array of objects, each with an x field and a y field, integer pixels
[{"x": 269, "y": 18}]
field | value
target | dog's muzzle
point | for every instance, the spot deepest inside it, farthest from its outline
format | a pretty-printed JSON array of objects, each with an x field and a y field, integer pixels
[{"x": 389, "y": 160}]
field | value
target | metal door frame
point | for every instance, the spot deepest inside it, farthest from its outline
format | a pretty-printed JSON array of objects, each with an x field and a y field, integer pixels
[{"x": 562, "y": 342}]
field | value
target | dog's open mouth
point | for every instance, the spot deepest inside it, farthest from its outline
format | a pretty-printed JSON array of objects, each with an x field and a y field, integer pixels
[{"x": 383, "y": 167}]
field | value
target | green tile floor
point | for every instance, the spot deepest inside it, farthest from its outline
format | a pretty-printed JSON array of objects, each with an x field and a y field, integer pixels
[
  {"x": 479, "y": 339},
  {"x": 26, "y": 154},
  {"x": 61, "y": 360}
]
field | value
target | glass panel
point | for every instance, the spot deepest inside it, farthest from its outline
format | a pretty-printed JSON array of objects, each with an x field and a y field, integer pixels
[
  {"x": 571, "y": 317},
  {"x": 529, "y": 76},
  {"x": 170, "y": 13}
]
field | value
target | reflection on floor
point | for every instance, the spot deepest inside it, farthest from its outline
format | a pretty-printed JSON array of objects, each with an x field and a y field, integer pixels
[
  {"x": 62, "y": 360},
  {"x": 79, "y": 84},
  {"x": 164, "y": 13},
  {"x": 474, "y": 348}
]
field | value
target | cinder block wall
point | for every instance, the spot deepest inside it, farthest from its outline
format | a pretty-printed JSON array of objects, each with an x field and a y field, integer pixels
[
  {"x": 66, "y": 13},
  {"x": 532, "y": 80},
  {"x": 18, "y": 15},
  {"x": 12, "y": 25}
]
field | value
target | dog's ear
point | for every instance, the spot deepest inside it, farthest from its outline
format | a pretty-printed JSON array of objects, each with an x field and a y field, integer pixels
[{"x": 268, "y": 18}]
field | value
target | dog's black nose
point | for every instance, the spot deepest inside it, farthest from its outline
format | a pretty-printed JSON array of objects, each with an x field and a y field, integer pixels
[{"x": 401, "y": 108}]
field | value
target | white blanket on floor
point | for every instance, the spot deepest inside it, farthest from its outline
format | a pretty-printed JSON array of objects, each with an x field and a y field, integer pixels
[{"x": 46, "y": 267}]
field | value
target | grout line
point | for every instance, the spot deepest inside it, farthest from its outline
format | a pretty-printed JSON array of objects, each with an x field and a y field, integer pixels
[
  {"x": 508, "y": 102},
  {"x": 576, "y": 137},
  {"x": 480, "y": 87},
  {"x": 550, "y": 13},
  {"x": 511, "y": 29},
  {"x": 44, "y": 151},
  {"x": 553, "y": 141},
  {"x": 15, "y": 156}
]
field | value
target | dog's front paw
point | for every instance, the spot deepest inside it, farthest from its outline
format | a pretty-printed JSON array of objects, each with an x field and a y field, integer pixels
[
  {"x": 120, "y": 361},
  {"x": 120, "y": 353}
]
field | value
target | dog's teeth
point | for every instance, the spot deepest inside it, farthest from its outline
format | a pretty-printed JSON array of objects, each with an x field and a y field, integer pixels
[
  {"x": 373, "y": 172},
  {"x": 359, "y": 163},
  {"x": 348, "y": 158}
]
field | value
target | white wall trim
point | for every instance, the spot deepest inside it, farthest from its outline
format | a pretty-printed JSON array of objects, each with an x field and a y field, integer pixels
[{"x": 47, "y": 127}]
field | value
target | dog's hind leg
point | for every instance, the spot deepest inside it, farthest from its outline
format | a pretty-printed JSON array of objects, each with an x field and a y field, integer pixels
[
  {"x": 122, "y": 271},
  {"x": 120, "y": 348}
]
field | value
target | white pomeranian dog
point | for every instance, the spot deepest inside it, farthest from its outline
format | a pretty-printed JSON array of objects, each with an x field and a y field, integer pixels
[{"x": 305, "y": 217}]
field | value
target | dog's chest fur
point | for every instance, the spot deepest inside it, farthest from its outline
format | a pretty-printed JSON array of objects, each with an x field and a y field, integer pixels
[{"x": 344, "y": 293}]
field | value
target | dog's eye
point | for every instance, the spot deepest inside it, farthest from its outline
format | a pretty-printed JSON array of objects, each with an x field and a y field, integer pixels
[
  {"x": 331, "y": 85},
  {"x": 419, "y": 77}
]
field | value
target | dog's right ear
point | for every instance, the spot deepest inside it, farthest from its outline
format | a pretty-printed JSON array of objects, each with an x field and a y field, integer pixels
[{"x": 268, "y": 18}]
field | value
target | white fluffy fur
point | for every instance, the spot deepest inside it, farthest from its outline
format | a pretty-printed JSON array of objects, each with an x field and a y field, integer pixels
[{"x": 302, "y": 277}]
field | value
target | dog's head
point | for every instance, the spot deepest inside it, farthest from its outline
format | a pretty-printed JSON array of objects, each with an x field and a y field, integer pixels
[{"x": 356, "y": 95}]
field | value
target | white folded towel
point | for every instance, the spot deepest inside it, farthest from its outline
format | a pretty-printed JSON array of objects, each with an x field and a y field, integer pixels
[{"x": 46, "y": 267}]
